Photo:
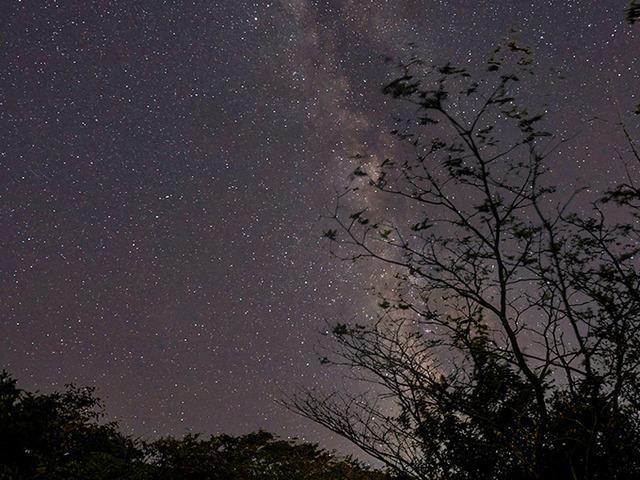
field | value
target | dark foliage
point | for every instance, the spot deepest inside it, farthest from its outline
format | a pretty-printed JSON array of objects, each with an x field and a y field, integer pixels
[
  {"x": 255, "y": 456},
  {"x": 61, "y": 436}
]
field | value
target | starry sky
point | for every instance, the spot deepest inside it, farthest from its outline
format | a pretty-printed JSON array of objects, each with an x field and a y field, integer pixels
[{"x": 164, "y": 166}]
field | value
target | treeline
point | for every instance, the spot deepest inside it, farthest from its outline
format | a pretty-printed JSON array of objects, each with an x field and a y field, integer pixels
[{"x": 63, "y": 435}]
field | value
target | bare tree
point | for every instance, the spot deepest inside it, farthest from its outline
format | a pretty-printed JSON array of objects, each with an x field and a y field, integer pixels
[{"x": 509, "y": 346}]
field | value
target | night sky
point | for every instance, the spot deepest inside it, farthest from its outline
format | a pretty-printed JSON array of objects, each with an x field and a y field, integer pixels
[{"x": 163, "y": 168}]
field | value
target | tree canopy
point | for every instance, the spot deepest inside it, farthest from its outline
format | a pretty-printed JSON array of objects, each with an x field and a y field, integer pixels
[
  {"x": 63, "y": 435},
  {"x": 60, "y": 436}
]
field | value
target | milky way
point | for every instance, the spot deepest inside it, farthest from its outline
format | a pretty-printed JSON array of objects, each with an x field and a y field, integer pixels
[{"x": 164, "y": 166}]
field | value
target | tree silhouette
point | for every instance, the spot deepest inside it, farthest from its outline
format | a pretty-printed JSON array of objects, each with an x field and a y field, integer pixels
[
  {"x": 509, "y": 344},
  {"x": 63, "y": 436},
  {"x": 255, "y": 456},
  {"x": 60, "y": 436}
]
